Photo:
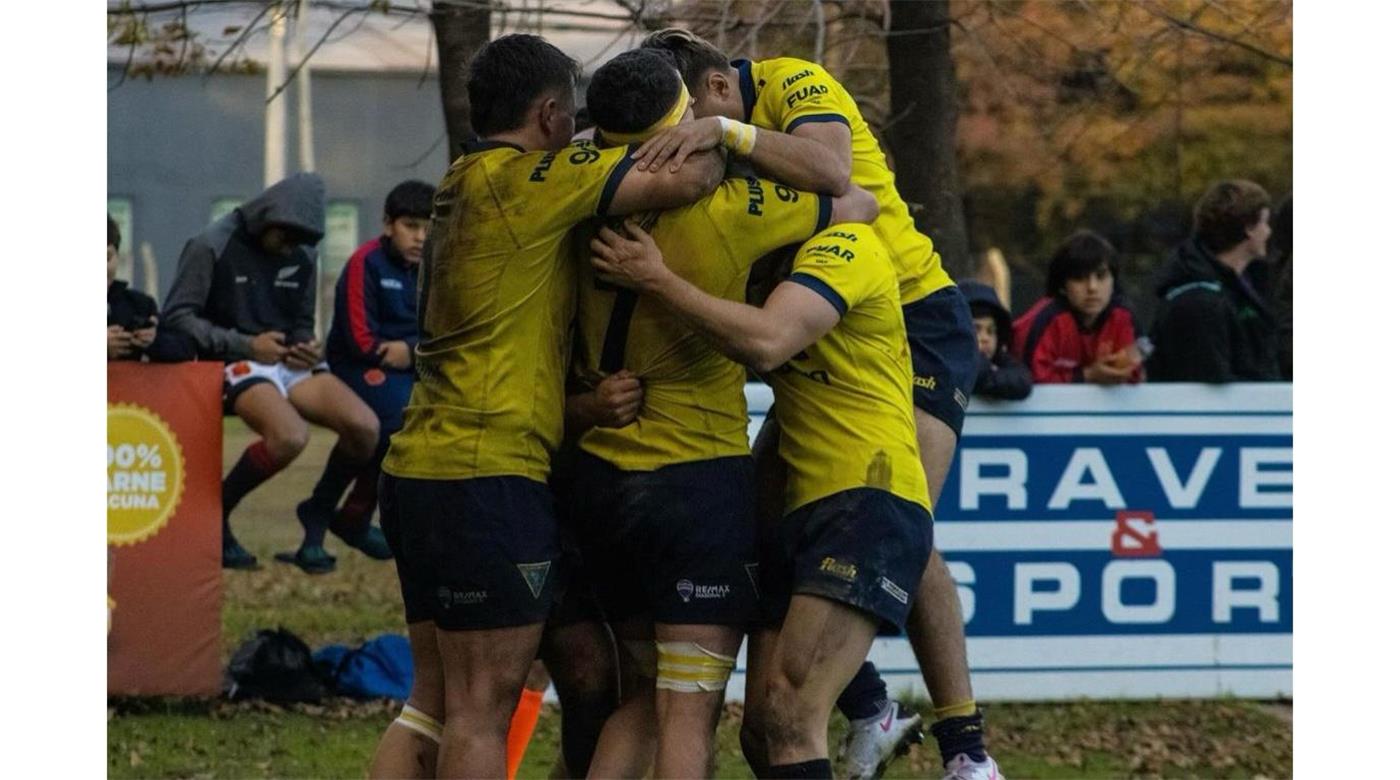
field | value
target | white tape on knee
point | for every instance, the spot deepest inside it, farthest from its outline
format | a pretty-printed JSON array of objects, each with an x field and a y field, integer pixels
[
  {"x": 690, "y": 668},
  {"x": 415, "y": 719},
  {"x": 643, "y": 652}
]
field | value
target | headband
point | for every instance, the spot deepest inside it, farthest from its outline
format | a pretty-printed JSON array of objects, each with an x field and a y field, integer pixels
[{"x": 671, "y": 119}]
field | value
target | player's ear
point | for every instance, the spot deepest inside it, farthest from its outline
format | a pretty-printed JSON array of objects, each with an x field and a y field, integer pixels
[{"x": 717, "y": 84}]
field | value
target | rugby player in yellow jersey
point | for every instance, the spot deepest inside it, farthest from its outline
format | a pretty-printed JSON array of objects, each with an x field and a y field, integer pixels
[
  {"x": 664, "y": 506},
  {"x": 465, "y": 505},
  {"x": 856, "y": 532},
  {"x": 798, "y": 125}
]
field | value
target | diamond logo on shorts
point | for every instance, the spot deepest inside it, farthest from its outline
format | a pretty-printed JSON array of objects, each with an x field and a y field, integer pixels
[
  {"x": 839, "y": 569},
  {"x": 535, "y": 574},
  {"x": 686, "y": 588},
  {"x": 900, "y": 594},
  {"x": 961, "y": 398}
]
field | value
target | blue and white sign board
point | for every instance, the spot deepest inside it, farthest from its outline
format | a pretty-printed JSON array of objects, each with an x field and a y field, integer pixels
[{"x": 1130, "y": 542}]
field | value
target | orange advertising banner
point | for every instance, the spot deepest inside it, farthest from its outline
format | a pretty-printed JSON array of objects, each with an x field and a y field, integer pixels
[{"x": 164, "y": 582}]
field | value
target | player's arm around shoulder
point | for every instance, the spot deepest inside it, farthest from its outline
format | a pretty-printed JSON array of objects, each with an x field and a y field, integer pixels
[
  {"x": 642, "y": 189},
  {"x": 762, "y": 338}
]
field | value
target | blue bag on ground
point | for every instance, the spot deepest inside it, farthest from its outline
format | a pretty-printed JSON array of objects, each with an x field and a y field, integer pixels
[{"x": 380, "y": 668}]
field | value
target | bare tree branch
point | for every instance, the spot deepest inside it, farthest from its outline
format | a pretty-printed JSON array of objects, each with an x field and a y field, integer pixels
[
  {"x": 307, "y": 57},
  {"x": 1188, "y": 25}
]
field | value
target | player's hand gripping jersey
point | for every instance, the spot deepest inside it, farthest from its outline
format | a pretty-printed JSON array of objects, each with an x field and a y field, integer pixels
[
  {"x": 784, "y": 93},
  {"x": 496, "y": 300},
  {"x": 843, "y": 403},
  {"x": 695, "y": 407}
]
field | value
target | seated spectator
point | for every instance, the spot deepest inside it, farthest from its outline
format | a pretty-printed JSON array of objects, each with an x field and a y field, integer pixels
[
  {"x": 375, "y": 329},
  {"x": 1080, "y": 331},
  {"x": 131, "y": 315},
  {"x": 1212, "y": 325},
  {"x": 999, "y": 373},
  {"x": 245, "y": 293}
]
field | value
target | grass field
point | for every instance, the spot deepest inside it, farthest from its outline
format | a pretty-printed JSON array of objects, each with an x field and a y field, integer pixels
[{"x": 161, "y": 738}]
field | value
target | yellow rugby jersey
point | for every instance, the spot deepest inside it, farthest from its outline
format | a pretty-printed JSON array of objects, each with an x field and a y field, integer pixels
[
  {"x": 694, "y": 407},
  {"x": 784, "y": 93},
  {"x": 843, "y": 403},
  {"x": 496, "y": 298}
]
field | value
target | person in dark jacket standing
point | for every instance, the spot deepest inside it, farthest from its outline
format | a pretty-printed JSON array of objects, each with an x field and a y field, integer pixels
[
  {"x": 131, "y": 315},
  {"x": 374, "y": 331},
  {"x": 245, "y": 294},
  {"x": 999, "y": 374},
  {"x": 1081, "y": 331},
  {"x": 1212, "y": 325}
]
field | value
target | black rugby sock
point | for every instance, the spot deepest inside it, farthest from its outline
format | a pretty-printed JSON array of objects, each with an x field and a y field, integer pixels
[
  {"x": 255, "y": 467},
  {"x": 865, "y": 696},
  {"x": 816, "y": 768},
  {"x": 962, "y": 734},
  {"x": 316, "y": 512}
]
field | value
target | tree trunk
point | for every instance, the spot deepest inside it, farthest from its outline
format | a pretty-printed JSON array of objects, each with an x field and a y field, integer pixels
[
  {"x": 923, "y": 133},
  {"x": 460, "y": 31}
]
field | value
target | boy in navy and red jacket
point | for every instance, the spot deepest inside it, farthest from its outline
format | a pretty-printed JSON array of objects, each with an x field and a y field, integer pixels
[
  {"x": 1080, "y": 331},
  {"x": 375, "y": 328}
]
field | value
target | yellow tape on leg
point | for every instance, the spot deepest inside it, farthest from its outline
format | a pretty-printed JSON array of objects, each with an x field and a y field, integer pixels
[
  {"x": 690, "y": 668},
  {"x": 415, "y": 719}
]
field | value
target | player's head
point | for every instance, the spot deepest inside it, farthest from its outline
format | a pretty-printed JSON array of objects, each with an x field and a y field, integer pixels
[
  {"x": 1082, "y": 273},
  {"x": 708, "y": 75},
  {"x": 523, "y": 85},
  {"x": 635, "y": 95},
  {"x": 407, "y": 212},
  {"x": 114, "y": 245},
  {"x": 1231, "y": 214}
]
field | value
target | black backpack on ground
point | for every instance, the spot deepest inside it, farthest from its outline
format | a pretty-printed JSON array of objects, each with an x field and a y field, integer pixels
[{"x": 275, "y": 666}]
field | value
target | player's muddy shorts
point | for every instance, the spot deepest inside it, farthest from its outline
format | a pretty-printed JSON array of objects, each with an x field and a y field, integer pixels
[
  {"x": 863, "y": 547},
  {"x": 472, "y": 553},
  {"x": 243, "y": 374},
  {"x": 943, "y": 349},
  {"x": 675, "y": 545}
]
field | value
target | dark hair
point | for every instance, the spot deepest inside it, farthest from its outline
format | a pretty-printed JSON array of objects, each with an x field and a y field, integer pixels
[
  {"x": 1226, "y": 211},
  {"x": 693, "y": 56},
  {"x": 1281, "y": 239},
  {"x": 632, "y": 91},
  {"x": 114, "y": 234},
  {"x": 510, "y": 73},
  {"x": 1083, "y": 253},
  {"x": 410, "y": 198}
]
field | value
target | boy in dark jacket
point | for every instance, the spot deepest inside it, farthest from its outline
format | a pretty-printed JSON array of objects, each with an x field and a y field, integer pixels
[
  {"x": 1080, "y": 331},
  {"x": 245, "y": 294},
  {"x": 1213, "y": 325},
  {"x": 131, "y": 315},
  {"x": 375, "y": 329},
  {"x": 999, "y": 373}
]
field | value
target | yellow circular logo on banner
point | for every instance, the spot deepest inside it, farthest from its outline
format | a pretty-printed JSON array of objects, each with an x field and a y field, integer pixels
[{"x": 145, "y": 474}]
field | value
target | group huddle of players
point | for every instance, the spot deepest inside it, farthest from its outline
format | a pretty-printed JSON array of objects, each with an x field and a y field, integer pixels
[{"x": 576, "y": 451}]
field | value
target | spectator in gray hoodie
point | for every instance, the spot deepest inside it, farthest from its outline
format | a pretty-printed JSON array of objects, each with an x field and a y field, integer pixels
[{"x": 245, "y": 294}]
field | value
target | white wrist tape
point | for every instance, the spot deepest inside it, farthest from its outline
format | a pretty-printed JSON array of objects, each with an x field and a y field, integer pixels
[{"x": 737, "y": 136}]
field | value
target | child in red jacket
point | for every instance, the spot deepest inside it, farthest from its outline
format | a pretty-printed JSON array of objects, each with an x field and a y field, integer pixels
[{"x": 1080, "y": 331}]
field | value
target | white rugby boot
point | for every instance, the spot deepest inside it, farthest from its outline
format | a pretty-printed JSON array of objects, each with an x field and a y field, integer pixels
[
  {"x": 871, "y": 744},
  {"x": 964, "y": 768}
]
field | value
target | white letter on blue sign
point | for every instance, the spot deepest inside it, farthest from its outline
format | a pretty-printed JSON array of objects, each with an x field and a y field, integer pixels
[
  {"x": 1252, "y": 478},
  {"x": 965, "y": 577},
  {"x": 1263, "y": 598},
  {"x": 1178, "y": 495},
  {"x": 975, "y": 485},
  {"x": 1027, "y": 600},
  {"x": 1101, "y": 486},
  {"x": 1163, "y": 604}
]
